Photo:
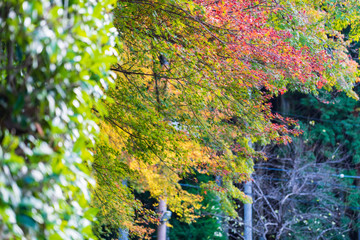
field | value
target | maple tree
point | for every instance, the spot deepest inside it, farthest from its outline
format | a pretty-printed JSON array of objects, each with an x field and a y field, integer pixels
[
  {"x": 311, "y": 198},
  {"x": 193, "y": 85}
]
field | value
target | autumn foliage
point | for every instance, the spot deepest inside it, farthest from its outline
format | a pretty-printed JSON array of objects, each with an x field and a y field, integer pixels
[{"x": 192, "y": 93}]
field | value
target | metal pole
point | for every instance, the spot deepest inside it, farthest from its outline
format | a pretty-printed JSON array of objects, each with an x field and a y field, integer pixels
[
  {"x": 161, "y": 230},
  {"x": 248, "y": 207},
  {"x": 248, "y": 213},
  {"x": 124, "y": 233}
]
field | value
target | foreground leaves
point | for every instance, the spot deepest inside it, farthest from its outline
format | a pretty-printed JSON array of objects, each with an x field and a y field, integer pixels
[{"x": 52, "y": 61}]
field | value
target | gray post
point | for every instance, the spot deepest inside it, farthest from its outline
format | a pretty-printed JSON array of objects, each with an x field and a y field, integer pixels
[
  {"x": 161, "y": 230},
  {"x": 124, "y": 233},
  {"x": 248, "y": 213},
  {"x": 248, "y": 208}
]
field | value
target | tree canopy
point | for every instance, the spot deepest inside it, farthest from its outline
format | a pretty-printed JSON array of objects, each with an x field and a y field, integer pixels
[
  {"x": 194, "y": 80},
  {"x": 190, "y": 93}
]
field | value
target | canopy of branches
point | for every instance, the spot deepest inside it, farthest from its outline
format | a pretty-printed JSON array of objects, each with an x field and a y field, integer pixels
[{"x": 190, "y": 93}]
